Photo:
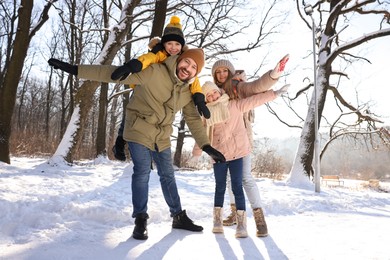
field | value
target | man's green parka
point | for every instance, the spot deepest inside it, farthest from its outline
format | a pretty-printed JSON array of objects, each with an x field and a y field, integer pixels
[{"x": 154, "y": 104}]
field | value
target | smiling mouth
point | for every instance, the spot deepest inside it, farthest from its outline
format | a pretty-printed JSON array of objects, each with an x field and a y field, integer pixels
[{"x": 185, "y": 72}]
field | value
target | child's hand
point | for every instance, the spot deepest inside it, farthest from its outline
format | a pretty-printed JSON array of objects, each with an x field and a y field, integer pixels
[
  {"x": 283, "y": 90},
  {"x": 132, "y": 66}
]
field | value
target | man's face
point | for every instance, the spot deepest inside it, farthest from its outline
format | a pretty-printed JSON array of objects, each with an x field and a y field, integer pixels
[{"x": 186, "y": 69}]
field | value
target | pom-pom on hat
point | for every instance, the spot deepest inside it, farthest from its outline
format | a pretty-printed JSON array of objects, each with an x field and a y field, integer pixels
[
  {"x": 209, "y": 86},
  {"x": 223, "y": 63},
  {"x": 197, "y": 55},
  {"x": 173, "y": 31}
]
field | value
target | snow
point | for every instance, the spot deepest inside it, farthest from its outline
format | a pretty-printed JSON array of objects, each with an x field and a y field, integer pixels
[
  {"x": 83, "y": 211},
  {"x": 66, "y": 142}
]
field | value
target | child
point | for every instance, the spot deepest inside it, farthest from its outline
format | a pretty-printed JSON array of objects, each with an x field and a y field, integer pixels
[
  {"x": 227, "y": 133},
  {"x": 171, "y": 43}
]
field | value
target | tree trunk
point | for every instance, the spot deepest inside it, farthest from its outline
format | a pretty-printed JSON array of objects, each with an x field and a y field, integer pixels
[
  {"x": 102, "y": 121},
  {"x": 159, "y": 18},
  {"x": 12, "y": 75},
  {"x": 302, "y": 167},
  {"x": 103, "y": 100},
  {"x": 179, "y": 143}
]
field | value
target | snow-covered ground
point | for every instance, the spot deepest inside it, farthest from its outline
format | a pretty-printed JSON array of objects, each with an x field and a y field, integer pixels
[{"x": 84, "y": 212}]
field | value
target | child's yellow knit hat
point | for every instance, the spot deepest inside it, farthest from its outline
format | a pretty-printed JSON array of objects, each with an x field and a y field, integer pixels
[{"x": 173, "y": 31}]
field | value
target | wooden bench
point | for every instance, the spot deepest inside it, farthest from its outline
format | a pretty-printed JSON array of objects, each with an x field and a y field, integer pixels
[{"x": 331, "y": 178}]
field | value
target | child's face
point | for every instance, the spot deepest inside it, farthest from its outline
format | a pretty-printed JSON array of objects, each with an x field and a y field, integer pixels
[
  {"x": 172, "y": 47},
  {"x": 186, "y": 69},
  {"x": 212, "y": 96},
  {"x": 222, "y": 74}
]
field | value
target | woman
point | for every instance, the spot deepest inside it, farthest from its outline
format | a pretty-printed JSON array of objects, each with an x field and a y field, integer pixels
[
  {"x": 233, "y": 83},
  {"x": 227, "y": 133}
]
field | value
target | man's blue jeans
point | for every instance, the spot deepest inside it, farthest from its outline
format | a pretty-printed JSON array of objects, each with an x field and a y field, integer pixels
[
  {"x": 220, "y": 173},
  {"x": 142, "y": 160}
]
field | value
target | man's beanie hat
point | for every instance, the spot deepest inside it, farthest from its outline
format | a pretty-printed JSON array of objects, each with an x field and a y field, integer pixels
[
  {"x": 197, "y": 55},
  {"x": 209, "y": 86},
  {"x": 223, "y": 63},
  {"x": 173, "y": 32}
]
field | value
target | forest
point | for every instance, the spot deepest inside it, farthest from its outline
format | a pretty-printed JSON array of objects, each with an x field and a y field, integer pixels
[{"x": 39, "y": 103}]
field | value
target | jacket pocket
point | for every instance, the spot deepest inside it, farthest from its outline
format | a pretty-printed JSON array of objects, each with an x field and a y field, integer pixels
[{"x": 145, "y": 128}]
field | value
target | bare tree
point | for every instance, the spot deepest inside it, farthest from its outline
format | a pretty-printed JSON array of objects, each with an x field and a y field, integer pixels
[
  {"x": 332, "y": 48},
  {"x": 213, "y": 26},
  {"x": 18, "y": 36},
  {"x": 103, "y": 97},
  {"x": 84, "y": 96}
]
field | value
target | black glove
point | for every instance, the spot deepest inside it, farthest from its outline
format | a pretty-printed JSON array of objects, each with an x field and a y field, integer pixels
[
  {"x": 200, "y": 104},
  {"x": 57, "y": 64},
  {"x": 215, "y": 154},
  {"x": 158, "y": 47},
  {"x": 132, "y": 66}
]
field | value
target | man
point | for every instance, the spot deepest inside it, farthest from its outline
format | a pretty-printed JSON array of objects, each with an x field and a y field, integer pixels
[{"x": 163, "y": 91}]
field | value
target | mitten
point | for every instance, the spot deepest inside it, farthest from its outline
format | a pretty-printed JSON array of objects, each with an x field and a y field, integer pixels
[
  {"x": 241, "y": 76},
  {"x": 153, "y": 42},
  {"x": 278, "y": 70},
  {"x": 57, "y": 64},
  {"x": 200, "y": 104},
  {"x": 158, "y": 47},
  {"x": 132, "y": 66},
  {"x": 282, "y": 90},
  {"x": 215, "y": 154}
]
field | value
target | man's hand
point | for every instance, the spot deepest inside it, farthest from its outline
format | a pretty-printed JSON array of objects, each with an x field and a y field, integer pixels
[
  {"x": 57, "y": 64},
  {"x": 132, "y": 66},
  {"x": 200, "y": 104},
  {"x": 278, "y": 70},
  {"x": 215, "y": 154}
]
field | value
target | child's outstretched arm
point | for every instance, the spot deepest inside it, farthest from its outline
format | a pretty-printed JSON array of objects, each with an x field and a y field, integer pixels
[
  {"x": 132, "y": 66},
  {"x": 156, "y": 55}
]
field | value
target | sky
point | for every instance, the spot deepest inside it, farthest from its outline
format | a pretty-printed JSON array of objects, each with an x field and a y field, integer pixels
[
  {"x": 84, "y": 211},
  {"x": 295, "y": 38}
]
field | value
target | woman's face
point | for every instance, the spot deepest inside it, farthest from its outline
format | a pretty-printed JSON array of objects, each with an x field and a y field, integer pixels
[
  {"x": 222, "y": 74},
  {"x": 172, "y": 47},
  {"x": 213, "y": 96}
]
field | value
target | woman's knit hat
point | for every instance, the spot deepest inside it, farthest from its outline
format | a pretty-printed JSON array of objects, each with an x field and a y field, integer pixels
[
  {"x": 173, "y": 32},
  {"x": 197, "y": 55},
  {"x": 209, "y": 86},
  {"x": 223, "y": 63}
]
